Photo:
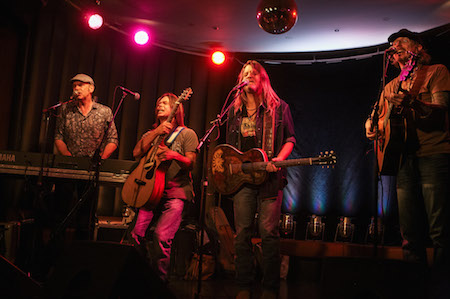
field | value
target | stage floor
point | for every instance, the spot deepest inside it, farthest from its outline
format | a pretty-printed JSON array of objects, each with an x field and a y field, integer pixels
[
  {"x": 225, "y": 288},
  {"x": 320, "y": 270},
  {"x": 315, "y": 269}
]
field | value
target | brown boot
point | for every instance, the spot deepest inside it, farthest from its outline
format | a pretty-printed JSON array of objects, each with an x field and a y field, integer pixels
[{"x": 244, "y": 294}]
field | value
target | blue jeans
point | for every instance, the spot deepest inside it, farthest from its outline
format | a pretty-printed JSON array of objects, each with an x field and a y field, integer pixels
[
  {"x": 246, "y": 204},
  {"x": 424, "y": 197},
  {"x": 169, "y": 213}
]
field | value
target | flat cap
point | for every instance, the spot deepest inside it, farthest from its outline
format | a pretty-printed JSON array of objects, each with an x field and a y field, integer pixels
[{"x": 83, "y": 78}]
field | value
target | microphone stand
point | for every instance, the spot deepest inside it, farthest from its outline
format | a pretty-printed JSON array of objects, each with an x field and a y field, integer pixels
[
  {"x": 216, "y": 123},
  {"x": 376, "y": 169},
  {"x": 40, "y": 192},
  {"x": 46, "y": 119},
  {"x": 46, "y": 116},
  {"x": 377, "y": 179},
  {"x": 93, "y": 183},
  {"x": 46, "y": 255}
]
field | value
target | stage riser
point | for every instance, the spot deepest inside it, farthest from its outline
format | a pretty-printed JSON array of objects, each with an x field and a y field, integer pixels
[{"x": 348, "y": 278}]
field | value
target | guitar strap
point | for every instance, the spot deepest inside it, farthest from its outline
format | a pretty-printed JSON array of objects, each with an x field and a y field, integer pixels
[
  {"x": 174, "y": 135},
  {"x": 412, "y": 139},
  {"x": 268, "y": 132},
  {"x": 418, "y": 82},
  {"x": 420, "y": 77}
]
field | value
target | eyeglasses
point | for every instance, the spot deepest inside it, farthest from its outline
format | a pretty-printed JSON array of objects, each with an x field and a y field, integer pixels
[{"x": 400, "y": 40}]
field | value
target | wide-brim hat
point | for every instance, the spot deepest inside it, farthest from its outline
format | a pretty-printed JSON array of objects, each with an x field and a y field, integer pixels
[
  {"x": 83, "y": 78},
  {"x": 415, "y": 36}
]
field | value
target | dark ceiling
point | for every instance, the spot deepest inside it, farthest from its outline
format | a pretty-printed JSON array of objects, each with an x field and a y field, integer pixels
[{"x": 323, "y": 25}]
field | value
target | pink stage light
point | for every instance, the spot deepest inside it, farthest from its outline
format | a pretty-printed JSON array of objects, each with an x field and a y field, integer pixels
[
  {"x": 218, "y": 57},
  {"x": 95, "y": 21},
  {"x": 141, "y": 37}
]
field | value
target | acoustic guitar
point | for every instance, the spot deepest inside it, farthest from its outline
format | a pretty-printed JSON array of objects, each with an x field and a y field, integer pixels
[
  {"x": 230, "y": 168},
  {"x": 391, "y": 145},
  {"x": 145, "y": 185}
]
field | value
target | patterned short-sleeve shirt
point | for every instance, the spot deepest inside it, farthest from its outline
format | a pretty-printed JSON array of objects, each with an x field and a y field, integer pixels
[{"x": 82, "y": 134}]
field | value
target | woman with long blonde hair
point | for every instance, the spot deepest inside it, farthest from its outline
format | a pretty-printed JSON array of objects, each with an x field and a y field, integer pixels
[{"x": 259, "y": 119}]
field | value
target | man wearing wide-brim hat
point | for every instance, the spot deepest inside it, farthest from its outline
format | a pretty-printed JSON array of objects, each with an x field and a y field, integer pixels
[{"x": 419, "y": 100}]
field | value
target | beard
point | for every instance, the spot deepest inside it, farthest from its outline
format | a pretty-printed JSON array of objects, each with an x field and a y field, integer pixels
[
  {"x": 401, "y": 59},
  {"x": 252, "y": 89}
]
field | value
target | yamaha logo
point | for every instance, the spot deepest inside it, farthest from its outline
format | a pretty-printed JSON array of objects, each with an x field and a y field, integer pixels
[{"x": 7, "y": 158}]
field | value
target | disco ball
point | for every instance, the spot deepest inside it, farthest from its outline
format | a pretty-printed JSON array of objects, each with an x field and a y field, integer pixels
[{"x": 276, "y": 16}]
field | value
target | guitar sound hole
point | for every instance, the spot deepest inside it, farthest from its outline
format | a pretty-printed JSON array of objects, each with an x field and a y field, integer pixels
[{"x": 246, "y": 167}]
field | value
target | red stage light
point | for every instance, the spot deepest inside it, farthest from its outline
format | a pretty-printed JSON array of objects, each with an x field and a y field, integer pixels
[
  {"x": 218, "y": 57},
  {"x": 95, "y": 21},
  {"x": 141, "y": 37}
]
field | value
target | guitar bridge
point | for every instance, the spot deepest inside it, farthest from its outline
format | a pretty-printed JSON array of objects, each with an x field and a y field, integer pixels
[{"x": 139, "y": 182}]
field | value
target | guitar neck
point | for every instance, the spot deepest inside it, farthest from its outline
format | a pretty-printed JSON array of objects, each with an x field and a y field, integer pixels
[
  {"x": 257, "y": 166},
  {"x": 405, "y": 74},
  {"x": 160, "y": 138},
  {"x": 296, "y": 162},
  {"x": 174, "y": 110}
]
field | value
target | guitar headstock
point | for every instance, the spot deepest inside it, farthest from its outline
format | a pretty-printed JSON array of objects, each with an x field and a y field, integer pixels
[
  {"x": 326, "y": 159},
  {"x": 409, "y": 66},
  {"x": 184, "y": 96}
]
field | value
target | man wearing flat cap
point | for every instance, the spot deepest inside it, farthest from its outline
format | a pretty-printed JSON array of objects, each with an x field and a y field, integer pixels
[
  {"x": 82, "y": 123},
  {"x": 418, "y": 100},
  {"x": 80, "y": 126}
]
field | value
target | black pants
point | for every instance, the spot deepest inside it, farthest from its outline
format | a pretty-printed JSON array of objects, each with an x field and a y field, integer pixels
[{"x": 75, "y": 208}]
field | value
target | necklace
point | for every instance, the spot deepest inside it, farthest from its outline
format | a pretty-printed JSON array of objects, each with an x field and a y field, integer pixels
[{"x": 251, "y": 115}]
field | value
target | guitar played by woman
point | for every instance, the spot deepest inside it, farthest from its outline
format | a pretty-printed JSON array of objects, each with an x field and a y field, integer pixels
[{"x": 180, "y": 157}]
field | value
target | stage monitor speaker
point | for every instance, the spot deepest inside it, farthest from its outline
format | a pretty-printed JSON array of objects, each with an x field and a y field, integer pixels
[
  {"x": 369, "y": 278},
  {"x": 14, "y": 283},
  {"x": 104, "y": 270}
]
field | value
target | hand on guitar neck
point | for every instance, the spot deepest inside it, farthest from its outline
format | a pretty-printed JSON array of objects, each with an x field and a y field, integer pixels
[
  {"x": 144, "y": 145},
  {"x": 285, "y": 151},
  {"x": 272, "y": 168},
  {"x": 164, "y": 128}
]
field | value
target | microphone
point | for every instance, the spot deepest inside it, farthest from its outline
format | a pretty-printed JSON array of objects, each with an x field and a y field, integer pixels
[
  {"x": 391, "y": 50},
  {"x": 240, "y": 85},
  {"x": 136, "y": 95},
  {"x": 74, "y": 95}
]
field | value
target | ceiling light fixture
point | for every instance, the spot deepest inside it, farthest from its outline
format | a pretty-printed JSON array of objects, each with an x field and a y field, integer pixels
[
  {"x": 95, "y": 21},
  {"x": 218, "y": 57},
  {"x": 141, "y": 37},
  {"x": 276, "y": 16}
]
